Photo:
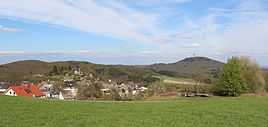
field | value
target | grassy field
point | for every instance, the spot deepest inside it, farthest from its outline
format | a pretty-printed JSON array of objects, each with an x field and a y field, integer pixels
[
  {"x": 183, "y": 80},
  {"x": 183, "y": 84},
  {"x": 216, "y": 111}
]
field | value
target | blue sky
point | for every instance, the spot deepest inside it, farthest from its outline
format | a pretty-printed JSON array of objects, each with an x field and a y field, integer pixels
[{"x": 132, "y": 32}]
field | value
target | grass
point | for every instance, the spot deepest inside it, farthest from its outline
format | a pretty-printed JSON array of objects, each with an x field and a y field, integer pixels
[{"x": 200, "y": 112}]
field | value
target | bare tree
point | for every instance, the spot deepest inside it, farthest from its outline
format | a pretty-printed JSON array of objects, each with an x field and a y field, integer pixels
[{"x": 254, "y": 75}]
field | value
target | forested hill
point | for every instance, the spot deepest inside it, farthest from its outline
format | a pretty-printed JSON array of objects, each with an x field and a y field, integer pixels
[
  {"x": 17, "y": 70},
  {"x": 190, "y": 67},
  {"x": 201, "y": 67}
]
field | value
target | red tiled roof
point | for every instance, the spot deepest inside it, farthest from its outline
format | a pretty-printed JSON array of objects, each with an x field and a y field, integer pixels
[
  {"x": 27, "y": 90},
  {"x": 43, "y": 82}
]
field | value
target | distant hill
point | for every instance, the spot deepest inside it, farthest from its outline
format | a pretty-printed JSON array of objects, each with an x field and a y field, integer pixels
[
  {"x": 201, "y": 67},
  {"x": 29, "y": 68},
  {"x": 190, "y": 67}
]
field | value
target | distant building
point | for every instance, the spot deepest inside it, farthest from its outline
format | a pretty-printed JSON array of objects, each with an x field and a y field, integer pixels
[
  {"x": 66, "y": 95},
  {"x": 123, "y": 89},
  {"x": 2, "y": 88},
  {"x": 77, "y": 70},
  {"x": 29, "y": 90},
  {"x": 24, "y": 83},
  {"x": 138, "y": 88},
  {"x": 69, "y": 90},
  {"x": 47, "y": 89}
]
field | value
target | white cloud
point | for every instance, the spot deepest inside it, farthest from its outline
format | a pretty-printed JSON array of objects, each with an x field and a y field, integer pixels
[
  {"x": 118, "y": 21},
  {"x": 11, "y": 52},
  {"x": 220, "y": 31},
  {"x": 9, "y": 29},
  {"x": 193, "y": 45},
  {"x": 243, "y": 29}
]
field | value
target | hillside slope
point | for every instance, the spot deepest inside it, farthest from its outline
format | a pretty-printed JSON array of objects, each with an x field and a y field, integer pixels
[
  {"x": 28, "y": 68},
  {"x": 190, "y": 67},
  {"x": 198, "y": 68}
]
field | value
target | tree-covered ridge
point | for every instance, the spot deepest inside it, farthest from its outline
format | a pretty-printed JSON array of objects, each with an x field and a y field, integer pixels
[{"x": 32, "y": 71}]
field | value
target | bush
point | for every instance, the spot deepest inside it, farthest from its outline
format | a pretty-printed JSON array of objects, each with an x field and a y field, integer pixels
[{"x": 138, "y": 97}]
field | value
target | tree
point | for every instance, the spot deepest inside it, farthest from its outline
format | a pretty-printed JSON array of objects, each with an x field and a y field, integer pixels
[
  {"x": 57, "y": 87},
  {"x": 61, "y": 70},
  {"x": 266, "y": 80},
  {"x": 232, "y": 81},
  {"x": 115, "y": 94},
  {"x": 253, "y": 74},
  {"x": 88, "y": 91},
  {"x": 55, "y": 70},
  {"x": 69, "y": 68}
]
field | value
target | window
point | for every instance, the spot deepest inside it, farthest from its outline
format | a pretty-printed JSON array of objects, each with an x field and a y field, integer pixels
[
  {"x": 28, "y": 90},
  {"x": 10, "y": 92}
]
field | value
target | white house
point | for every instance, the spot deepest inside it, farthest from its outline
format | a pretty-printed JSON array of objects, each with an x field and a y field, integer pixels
[{"x": 2, "y": 91}]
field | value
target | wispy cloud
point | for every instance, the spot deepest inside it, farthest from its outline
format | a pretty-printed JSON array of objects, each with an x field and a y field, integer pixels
[
  {"x": 117, "y": 21},
  {"x": 193, "y": 45},
  {"x": 9, "y": 29},
  {"x": 221, "y": 31},
  {"x": 240, "y": 26},
  {"x": 11, "y": 52}
]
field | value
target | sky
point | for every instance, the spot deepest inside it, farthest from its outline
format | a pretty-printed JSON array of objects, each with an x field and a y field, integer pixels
[{"x": 133, "y": 32}]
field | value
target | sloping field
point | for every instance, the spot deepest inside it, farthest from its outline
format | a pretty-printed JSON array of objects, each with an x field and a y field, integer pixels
[
  {"x": 169, "y": 81},
  {"x": 179, "y": 81},
  {"x": 186, "y": 112}
]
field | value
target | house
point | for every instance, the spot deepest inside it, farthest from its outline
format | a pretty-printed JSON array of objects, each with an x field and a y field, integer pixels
[
  {"x": 29, "y": 90},
  {"x": 2, "y": 88},
  {"x": 70, "y": 85},
  {"x": 66, "y": 95},
  {"x": 77, "y": 70},
  {"x": 138, "y": 88},
  {"x": 123, "y": 89},
  {"x": 24, "y": 83},
  {"x": 53, "y": 94},
  {"x": 105, "y": 91},
  {"x": 47, "y": 89}
]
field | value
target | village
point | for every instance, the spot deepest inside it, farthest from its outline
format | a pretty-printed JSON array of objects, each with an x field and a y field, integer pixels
[{"x": 69, "y": 88}]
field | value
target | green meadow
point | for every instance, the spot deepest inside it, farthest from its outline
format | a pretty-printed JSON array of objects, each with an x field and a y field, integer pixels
[{"x": 198, "y": 112}]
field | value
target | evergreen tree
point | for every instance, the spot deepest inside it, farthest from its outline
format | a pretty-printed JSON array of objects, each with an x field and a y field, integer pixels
[
  {"x": 69, "y": 68},
  {"x": 55, "y": 70},
  {"x": 61, "y": 70},
  {"x": 232, "y": 80}
]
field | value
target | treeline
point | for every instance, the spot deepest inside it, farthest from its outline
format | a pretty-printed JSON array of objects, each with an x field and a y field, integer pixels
[
  {"x": 60, "y": 70},
  {"x": 122, "y": 75}
]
